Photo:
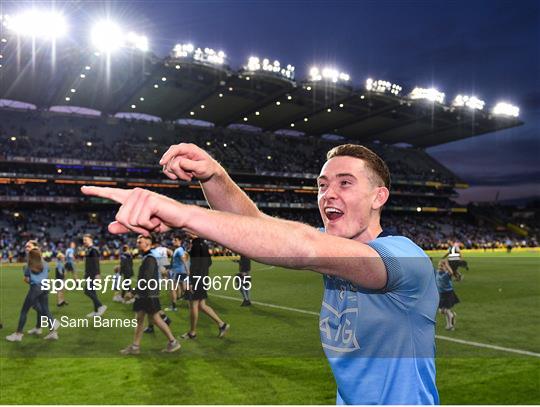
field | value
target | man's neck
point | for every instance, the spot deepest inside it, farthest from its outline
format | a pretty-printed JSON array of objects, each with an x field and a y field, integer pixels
[{"x": 371, "y": 232}]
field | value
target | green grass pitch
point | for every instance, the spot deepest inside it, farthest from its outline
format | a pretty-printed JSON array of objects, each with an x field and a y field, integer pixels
[{"x": 271, "y": 355}]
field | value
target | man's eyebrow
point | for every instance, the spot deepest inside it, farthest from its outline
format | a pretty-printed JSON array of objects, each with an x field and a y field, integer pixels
[
  {"x": 340, "y": 175},
  {"x": 345, "y": 174}
]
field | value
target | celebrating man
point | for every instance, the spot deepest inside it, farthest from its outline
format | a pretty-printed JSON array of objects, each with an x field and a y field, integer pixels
[{"x": 378, "y": 315}]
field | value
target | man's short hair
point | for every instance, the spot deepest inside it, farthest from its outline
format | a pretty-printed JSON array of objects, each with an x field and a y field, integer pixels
[
  {"x": 379, "y": 169},
  {"x": 152, "y": 237},
  {"x": 88, "y": 235}
]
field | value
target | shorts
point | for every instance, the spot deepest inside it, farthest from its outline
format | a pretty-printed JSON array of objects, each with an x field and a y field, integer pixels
[
  {"x": 198, "y": 293},
  {"x": 455, "y": 264},
  {"x": 448, "y": 299},
  {"x": 69, "y": 266},
  {"x": 58, "y": 275},
  {"x": 150, "y": 305},
  {"x": 179, "y": 276}
]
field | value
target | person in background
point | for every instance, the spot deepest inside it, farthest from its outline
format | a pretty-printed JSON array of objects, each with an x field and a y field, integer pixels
[
  {"x": 147, "y": 300},
  {"x": 244, "y": 265},
  {"x": 60, "y": 274},
  {"x": 35, "y": 271}
]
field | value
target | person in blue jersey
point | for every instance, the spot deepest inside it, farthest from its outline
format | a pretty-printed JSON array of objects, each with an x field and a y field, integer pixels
[
  {"x": 35, "y": 271},
  {"x": 60, "y": 274},
  {"x": 448, "y": 297},
  {"x": 70, "y": 259},
  {"x": 178, "y": 272},
  {"x": 377, "y": 321}
]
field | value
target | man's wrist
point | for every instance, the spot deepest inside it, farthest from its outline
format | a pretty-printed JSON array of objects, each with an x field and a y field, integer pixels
[{"x": 217, "y": 175}]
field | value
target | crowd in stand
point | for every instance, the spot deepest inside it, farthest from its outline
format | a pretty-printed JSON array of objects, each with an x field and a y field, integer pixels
[
  {"x": 32, "y": 134},
  {"x": 55, "y": 229}
]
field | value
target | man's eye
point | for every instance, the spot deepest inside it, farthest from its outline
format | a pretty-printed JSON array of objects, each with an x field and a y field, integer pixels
[{"x": 345, "y": 182}]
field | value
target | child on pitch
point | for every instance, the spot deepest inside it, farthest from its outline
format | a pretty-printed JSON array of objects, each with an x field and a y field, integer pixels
[
  {"x": 147, "y": 299},
  {"x": 448, "y": 297},
  {"x": 35, "y": 271},
  {"x": 60, "y": 274}
]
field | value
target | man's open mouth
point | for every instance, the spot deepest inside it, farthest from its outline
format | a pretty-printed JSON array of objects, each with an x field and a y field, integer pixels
[{"x": 333, "y": 213}]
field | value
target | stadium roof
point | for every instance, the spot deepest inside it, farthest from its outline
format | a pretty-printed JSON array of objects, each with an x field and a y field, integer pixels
[{"x": 182, "y": 88}]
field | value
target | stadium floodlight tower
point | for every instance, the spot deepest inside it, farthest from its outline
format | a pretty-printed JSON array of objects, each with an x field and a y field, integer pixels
[
  {"x": 380, "y": 86},
  {"x": 328, "y": 74},
  {"x": 200, "y": 55},
  {"x": 430, "y": 94},
  {"x": 37, "y": 24},
  {"x": 255, "y": 65},
  {"x": 472, "y": 102},
  {"x": 505, "y": 109},
  {"x": 108, "y": 37}
]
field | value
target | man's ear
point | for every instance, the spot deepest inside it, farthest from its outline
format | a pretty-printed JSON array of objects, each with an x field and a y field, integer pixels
[{"x": 380, "y": 198}]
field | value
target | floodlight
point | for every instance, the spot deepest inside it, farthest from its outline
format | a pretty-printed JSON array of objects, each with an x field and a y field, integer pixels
[
  {"x": 380, "y": 86},
  {"x": 328, "y": 74},
  {"x": 107, "y": 36},
  {"x": 427, "y": 93},
  {"x": 506, "y": 109},
  {"x": 254, "y": 64},
  {"x": 37, "y": 24},
  {"x": 139, "y": 42},
  {"x": 471, "y": 102}
]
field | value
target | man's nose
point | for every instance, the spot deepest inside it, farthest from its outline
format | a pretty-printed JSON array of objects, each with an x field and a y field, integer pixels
[{"x": 330, "y": 193}]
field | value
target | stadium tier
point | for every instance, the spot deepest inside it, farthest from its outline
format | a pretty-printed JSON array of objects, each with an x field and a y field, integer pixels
[{"x": 106, "y": 119}]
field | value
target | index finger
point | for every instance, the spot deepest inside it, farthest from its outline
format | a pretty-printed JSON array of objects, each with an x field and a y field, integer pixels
[{"x": 114, "y": 194}]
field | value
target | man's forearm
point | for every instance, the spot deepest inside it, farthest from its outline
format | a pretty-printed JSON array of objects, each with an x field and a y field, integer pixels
[
  {"x": 224, "y": 195},
  {"x": 288, "y": 244}
]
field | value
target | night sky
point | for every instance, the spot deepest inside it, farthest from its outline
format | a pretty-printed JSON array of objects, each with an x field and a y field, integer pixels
[{"x": 487, "y": 48}]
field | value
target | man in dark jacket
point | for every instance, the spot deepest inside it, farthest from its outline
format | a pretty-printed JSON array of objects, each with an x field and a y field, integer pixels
[
  {"x": 91, "y": 273},
  {"x": 200, "y": 265},
  {"x": 147, "y": 299}
]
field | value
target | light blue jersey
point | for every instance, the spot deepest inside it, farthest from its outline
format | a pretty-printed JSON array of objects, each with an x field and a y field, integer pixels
[
  {"x": 444, "y": 282},
  {"x": 37, "y": 278},
  {"x": 70, "y": 255},
  {"x": 177, "y": 264},
  {"x": 381, "y": 343}
]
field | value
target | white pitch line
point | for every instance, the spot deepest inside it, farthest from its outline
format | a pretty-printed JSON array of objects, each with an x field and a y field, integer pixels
[
  {"x": 443, "y": 338},
  {"x": 485, "y": 345},
  {"x": 264, "y": 304}
]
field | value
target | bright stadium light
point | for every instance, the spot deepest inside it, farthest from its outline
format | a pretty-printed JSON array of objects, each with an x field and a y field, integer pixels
[
  {"x": 37, "y": 24},
  {"x": 255, "y": 64},
  {"x": 107, "y": 36},
  {"x": 506, "y": 109},
  {"x": 206, "y": 55},
  {"x": 427, "y": 93},
  {"x": 471, "y": 102},
  {"x": 383, "y": 87},
  {"x": 139, "y": 42},
  {"x": 328, "y": 74}
]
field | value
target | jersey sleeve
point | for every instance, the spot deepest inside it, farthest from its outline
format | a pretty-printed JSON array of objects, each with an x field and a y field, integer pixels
[{"x": 408, "y": 268}]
